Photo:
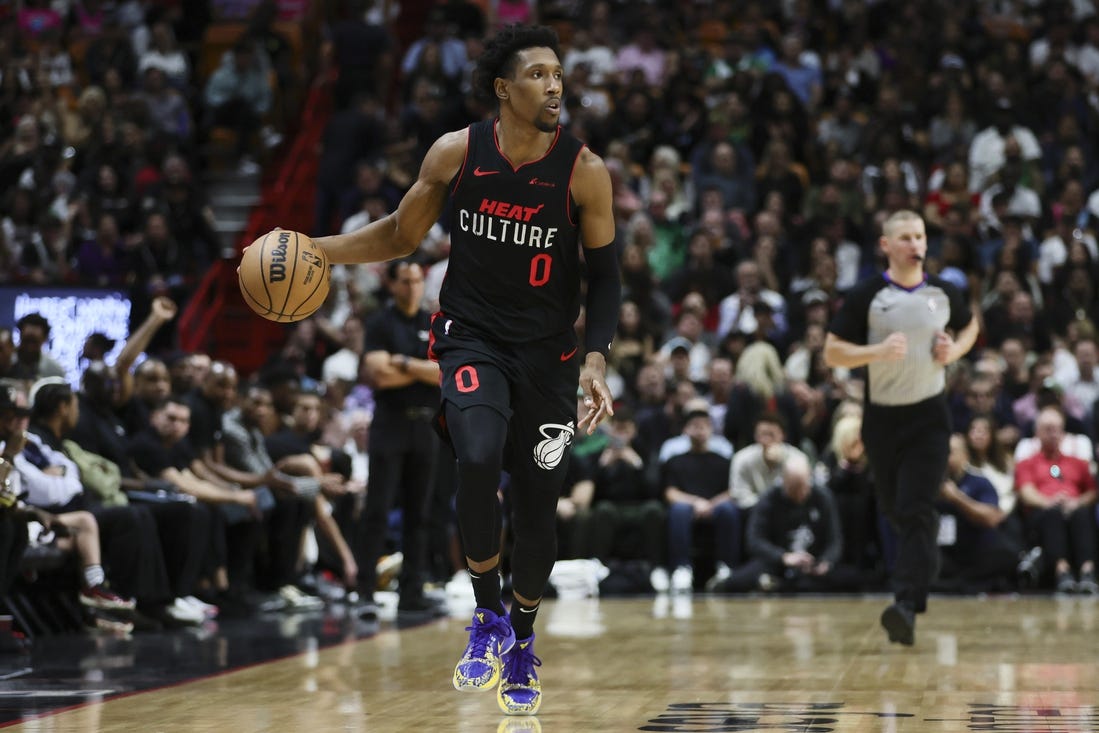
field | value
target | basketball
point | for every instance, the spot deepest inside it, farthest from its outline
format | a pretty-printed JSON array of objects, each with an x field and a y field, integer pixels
[{"x": 284, "y": 276}]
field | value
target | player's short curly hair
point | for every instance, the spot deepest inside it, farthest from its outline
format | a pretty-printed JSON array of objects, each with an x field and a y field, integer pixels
[{"x": 499, "y": 55}]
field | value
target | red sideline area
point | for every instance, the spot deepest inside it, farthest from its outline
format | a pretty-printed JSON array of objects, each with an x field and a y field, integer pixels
[{"x": 217, "y": 320}]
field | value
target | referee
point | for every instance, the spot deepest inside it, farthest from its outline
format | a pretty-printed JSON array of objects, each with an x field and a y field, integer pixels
[{"x": 896, "y": 324}]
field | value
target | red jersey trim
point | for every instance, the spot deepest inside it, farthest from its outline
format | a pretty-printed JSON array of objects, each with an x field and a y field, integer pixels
[
  {"x": 431, "y": 339},
  {"x": 496, "y": 142},
  {"x": 465, "y": 161}
]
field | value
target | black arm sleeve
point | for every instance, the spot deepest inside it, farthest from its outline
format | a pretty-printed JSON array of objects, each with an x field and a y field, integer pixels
[{"x": 604, "y": 298}]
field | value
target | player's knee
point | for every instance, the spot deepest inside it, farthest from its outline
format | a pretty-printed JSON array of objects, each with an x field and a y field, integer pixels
[
  {"x": 542, "y": 528},
  {"x": 478, "y": 434}
]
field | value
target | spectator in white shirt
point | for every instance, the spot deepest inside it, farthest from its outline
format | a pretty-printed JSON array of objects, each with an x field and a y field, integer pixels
[
  {"x": 1087, "y": 60},
  {"x": 1082, "y": 383},
  {"x": 986, "y": 152},
  {"x": 757, "y": 467},
  {"x": 1054, "y": 249},
  {"x": 1019, "y": 201},
  {"x": 737, "y": 311},
  {"x": 344, "y": 364},
  {"x": 598, "y": 57}
]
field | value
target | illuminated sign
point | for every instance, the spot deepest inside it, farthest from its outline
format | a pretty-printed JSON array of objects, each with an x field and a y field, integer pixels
[{"x": 74, "y": 314}]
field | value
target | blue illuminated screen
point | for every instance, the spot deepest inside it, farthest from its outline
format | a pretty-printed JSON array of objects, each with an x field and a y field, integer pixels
[{"x": 74, "y": 314}]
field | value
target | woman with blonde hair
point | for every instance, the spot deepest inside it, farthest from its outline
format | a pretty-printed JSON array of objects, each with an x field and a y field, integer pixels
[
  {"x": 852, "y": 486},
  {"x": 761, "y": 369},
  {"x": 760, "y": 387},
  {"x": 91, "y": 108}
]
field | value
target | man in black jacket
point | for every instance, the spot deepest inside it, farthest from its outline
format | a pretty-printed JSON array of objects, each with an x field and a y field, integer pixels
[{"x": 794, "y": 538}]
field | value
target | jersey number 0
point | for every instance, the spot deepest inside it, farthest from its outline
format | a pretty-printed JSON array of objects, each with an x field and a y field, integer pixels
[{"x": 540, "y": 269}]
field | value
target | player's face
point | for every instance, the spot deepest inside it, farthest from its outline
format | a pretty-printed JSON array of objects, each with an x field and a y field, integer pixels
[{"x": 534, "y": 92}]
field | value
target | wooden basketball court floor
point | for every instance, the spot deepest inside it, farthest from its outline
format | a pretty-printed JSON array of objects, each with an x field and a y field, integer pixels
[{"x": 692, "y": 664}]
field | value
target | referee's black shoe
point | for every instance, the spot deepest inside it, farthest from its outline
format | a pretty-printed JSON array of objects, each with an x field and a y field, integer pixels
[{"x": 900, "y": 623}]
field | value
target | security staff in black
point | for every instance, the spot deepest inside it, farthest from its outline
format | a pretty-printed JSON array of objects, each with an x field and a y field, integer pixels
[
  {"x": 896, "y": 325},
  {"x": 403, "y": 443},
  {"x": 524, "y": 192}
]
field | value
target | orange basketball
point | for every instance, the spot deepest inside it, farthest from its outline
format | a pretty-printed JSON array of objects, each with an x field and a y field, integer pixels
[{"x": 284, "y": 276}]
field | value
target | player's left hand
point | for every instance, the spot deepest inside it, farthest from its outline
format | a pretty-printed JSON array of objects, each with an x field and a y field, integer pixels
[
  {"x": 597, "y": 396},
  {"x": 943, "y": 348}
]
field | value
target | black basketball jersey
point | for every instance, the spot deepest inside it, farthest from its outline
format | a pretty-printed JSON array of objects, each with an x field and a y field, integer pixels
[{"x": 514, "y": 271}]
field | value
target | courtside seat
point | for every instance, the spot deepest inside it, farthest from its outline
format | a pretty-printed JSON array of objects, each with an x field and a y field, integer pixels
[{"x": 42, "y": 600}]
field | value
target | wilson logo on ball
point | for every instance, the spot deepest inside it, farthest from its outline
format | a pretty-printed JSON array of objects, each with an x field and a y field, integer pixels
[{"x": 277, "y": 271}]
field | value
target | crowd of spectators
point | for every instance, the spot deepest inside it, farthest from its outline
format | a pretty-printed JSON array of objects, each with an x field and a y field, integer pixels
[
  {"x": 109, "y": 119},
  {"x": 754, "y": 148}
]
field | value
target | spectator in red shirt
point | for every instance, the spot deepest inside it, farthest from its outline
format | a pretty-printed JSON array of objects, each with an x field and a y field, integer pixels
[{"x": 1058, "y": 493}]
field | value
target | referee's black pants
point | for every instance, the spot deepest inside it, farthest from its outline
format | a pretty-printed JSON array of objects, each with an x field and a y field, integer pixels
[{"x": 907, "y": 446}]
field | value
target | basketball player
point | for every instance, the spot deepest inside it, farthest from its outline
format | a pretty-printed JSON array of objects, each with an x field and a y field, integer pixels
[
  {"x": 523, "y": 193},
  {"x": 895, "y": 324}
]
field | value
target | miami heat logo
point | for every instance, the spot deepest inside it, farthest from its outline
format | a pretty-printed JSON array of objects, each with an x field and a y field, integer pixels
[{"x": 549, "y": 452}]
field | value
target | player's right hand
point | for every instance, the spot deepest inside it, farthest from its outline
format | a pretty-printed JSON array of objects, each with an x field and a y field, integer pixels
[
  {"x": 597, "y": 395},
  {"x": 894, "y": 347}
]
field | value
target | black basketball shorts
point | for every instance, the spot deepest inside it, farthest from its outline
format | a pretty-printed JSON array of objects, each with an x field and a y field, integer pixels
[{"x": 533, "y": 385}]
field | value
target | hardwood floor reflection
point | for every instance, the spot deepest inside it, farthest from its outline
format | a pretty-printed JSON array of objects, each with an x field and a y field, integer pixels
[{"x": 682, "y": 664}]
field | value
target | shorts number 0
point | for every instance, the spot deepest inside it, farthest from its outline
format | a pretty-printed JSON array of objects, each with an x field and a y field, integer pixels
[{"x": 466, "y": 379}]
